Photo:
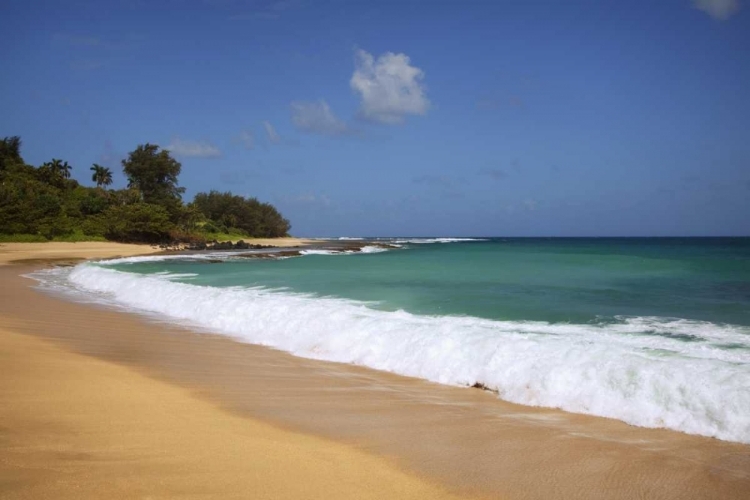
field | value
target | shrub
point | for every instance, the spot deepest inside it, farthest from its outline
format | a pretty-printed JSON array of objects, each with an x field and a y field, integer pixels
[{"x": 142, "y": 222}]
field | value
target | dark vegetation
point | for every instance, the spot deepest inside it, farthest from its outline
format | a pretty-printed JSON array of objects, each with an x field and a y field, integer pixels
[{"x": 44, "y": 203}]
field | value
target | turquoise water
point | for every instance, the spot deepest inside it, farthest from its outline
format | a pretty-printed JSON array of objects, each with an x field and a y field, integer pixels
[
  {"x": 654, "y": 332},
  {"x": 554, "y": 280}
]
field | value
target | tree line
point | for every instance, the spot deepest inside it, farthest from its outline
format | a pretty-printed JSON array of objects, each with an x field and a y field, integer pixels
[{"x": 45, "y": 203}]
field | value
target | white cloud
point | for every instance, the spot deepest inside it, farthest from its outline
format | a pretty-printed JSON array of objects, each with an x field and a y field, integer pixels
[
  {"x": 271, "y": 132},
  {"x": 317, "y": 118},
  {"x": 390, "y": 87},
  {"x": 718, "y": 9},
  {"x": 247, "y": 139},
  {"x": 190, "y": 149}
]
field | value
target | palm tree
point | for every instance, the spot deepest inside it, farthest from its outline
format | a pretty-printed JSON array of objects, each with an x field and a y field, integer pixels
[
  {"x": 60, "y": 168},
  {"x": 102, "y": 175},
  {"x": 64, "y": 170}
]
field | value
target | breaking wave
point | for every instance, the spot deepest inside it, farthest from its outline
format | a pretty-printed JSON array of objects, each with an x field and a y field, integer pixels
[{"x": 689, "y": 376}]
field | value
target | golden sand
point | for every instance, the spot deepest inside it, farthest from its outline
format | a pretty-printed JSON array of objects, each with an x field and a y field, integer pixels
[
  {"x": 59, "y": 251},
  {"x": 55, "y": 251},
  {"x": 77, "y": 427},
  {"x": 208, "y": 387}
]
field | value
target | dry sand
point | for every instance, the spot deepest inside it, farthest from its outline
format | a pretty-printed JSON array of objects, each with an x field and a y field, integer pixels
[
  {"x": 208, "y": 387},
  {"x": 60, "y": 251},
  {"x": 77, "y": 427},
  {"x": 73, "y": 252}
]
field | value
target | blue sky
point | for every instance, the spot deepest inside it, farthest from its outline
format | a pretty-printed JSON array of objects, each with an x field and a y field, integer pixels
[{"x": 405, "y": 118}]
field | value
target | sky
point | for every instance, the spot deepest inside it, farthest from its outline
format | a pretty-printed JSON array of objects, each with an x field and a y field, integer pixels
[{"x": 420, "y": 118}]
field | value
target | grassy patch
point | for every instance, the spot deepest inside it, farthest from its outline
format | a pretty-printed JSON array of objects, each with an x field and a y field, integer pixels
[{"x": 225, "y": 236}]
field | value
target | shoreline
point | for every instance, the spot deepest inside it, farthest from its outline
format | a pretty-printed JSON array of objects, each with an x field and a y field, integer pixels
[
  {"x": 73, "y": 253},
  {"x": 465, "y": 440}
]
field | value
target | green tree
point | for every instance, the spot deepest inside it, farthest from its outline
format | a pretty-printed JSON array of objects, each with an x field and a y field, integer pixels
[
  {"x": 102, "y": 175},
  {"x": 10, "y": 151},
  {"x": 248, "y": 215},
  {"x": 55, "y": 172},
  {"x": 142, "y": 222},
  {"x": 154, "y": 174},
  {"x": 64, "y": 169}
]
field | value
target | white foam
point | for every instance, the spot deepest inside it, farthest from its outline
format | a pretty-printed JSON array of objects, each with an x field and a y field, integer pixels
[
  {"x": 223, "y": 255},
  {"x": 372, "y": 249},
  {"x": 636, "y": 370},
  {"x": 421, "y": 241},
  {"x": 320, "y": 251},
  {"x": 176, "y": 276},
  {"x": 364, "y": 249}
]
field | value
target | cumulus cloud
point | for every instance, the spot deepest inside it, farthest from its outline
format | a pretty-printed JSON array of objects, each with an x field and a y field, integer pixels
[
  {"x": 191, "y": 149},
  {"x": 247, "y": 139},
  {"x": 718, "y": 9},
  {"x": 390, "y": 87},
  {"x": 317, "y": 118},
  {"x": 271, "y": 132}
]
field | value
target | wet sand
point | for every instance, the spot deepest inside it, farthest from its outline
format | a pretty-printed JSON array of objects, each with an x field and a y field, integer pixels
[
  {"x": 464, "y": 440},
  {"x": 78, "y": 427}
]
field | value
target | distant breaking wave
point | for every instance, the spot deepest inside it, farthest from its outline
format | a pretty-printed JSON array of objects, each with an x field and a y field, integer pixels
[
  {"x": 639, "y": 370},
  {"x": 322, "y": 251},
  {"x": 419, "y": 241}
]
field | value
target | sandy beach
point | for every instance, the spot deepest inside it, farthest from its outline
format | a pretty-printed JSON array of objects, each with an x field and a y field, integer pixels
[
  {"x": 28, "y": 253},
  {"x": 78, "y": 427},
  {"x": 73, "y": 252},
  {"x": 95, "y": 402}
]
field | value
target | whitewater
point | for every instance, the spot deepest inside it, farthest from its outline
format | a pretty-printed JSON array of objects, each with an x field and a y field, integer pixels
[{"x": 638, "y": 369}]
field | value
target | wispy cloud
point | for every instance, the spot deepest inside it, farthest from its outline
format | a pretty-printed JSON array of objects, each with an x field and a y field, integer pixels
[
  {"x": 494, "y": 173},
  {"x": 389, "y": 88},
  {"x": 434, "y": 180},
  {"x": 246, "y": 138},
  {"x": 317, "y": 118},
  {"x": 718, "y": 9},
  {"x": 273, "y": 137},
  {"x": 193, "y": 149}
]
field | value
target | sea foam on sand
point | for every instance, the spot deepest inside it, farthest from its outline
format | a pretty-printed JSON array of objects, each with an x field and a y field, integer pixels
[{"x": 636, "y": 370}]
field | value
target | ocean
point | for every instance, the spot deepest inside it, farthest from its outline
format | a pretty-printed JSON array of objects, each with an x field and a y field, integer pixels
[{"x": 651, "y": 331}]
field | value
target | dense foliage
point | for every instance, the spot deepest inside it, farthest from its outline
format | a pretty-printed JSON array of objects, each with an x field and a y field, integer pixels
[
  {"x": 247, "y": 214},
  {"x": 45, "y": 203}
]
